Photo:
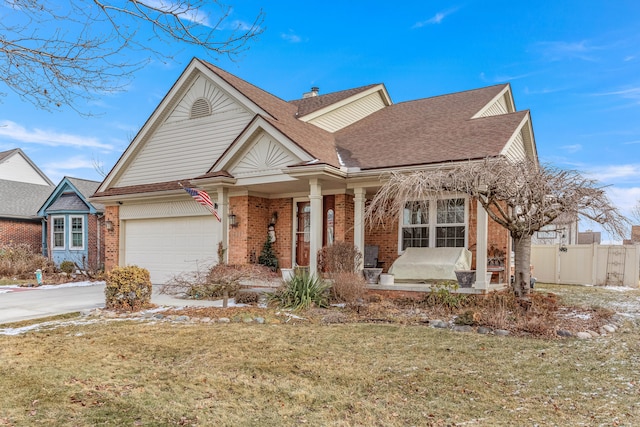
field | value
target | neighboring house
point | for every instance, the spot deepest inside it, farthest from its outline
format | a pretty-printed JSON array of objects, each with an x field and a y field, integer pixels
[
  {"x": 589, "y": 237},
  {"x": 73, "y": 226},
  {"x": 562, "y": 231},
  {"x": 23, "y": 188},
  {"x": 305, "y": 167},
  {"x": 635, "y": 236}
]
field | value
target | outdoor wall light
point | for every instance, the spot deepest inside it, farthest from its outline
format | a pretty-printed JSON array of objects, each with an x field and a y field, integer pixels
[
  {"x": 108, "y": 225},
  {"x": 233, "y": 220}
]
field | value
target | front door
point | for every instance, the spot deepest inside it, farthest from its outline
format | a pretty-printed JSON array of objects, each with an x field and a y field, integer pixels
[{"x": 303, "y": 233}]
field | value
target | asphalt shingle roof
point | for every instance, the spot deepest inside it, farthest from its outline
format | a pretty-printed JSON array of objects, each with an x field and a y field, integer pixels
[
  {"x": 315, "y": 103},
  {"x": 427, "y": 131},
  {"x": 21, "y": 199}
]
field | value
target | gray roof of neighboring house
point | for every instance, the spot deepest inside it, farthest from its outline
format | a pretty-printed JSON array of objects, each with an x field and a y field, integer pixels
[
  {"x": 22, "y": 200},
  {"x": 87, "y": 188},
  {"x": 68, "y": 202}
]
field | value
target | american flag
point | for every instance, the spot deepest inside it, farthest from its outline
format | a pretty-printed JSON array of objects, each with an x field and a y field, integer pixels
[{"x": 203, "y": 198}]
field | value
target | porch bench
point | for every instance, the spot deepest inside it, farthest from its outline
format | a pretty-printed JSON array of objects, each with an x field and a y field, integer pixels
[{"x": 428, "y": 264}]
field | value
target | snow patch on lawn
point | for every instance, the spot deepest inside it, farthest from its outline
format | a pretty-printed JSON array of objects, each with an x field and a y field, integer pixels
[{"x": 72, "y": 285}]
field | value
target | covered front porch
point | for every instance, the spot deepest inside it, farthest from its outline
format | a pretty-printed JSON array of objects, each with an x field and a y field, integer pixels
[{"x": 313, "y": 206}]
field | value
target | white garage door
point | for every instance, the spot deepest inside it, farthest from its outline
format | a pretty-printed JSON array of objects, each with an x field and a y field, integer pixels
[{"x": 169, "y": 246}]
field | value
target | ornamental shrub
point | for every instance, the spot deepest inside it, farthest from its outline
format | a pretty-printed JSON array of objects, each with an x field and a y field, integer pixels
[
  {"x": 67, "y": 267},
  {"x": 128, "y": 288},
  {"x": 301, "y": 292}
]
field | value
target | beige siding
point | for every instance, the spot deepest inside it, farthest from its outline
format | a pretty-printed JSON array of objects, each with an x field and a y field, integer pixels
[
  {"x": 266, "y": 155},
  {"x": 202, "y": 88},
  {"x": 184, "y": 149},
  {"x": 16, "y": 168},
  {"x": 186, "y": 207},
  {"x": 497, "y": 108},
  {"x": 350, "y": 113},
  {"x": 516, "y": 151}
]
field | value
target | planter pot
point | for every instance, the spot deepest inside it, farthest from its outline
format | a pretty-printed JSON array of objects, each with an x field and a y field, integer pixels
[
  {"x": 386, "y": 279},
  {"x": 287, "y": 273},
  {"x": 466, "y": 278},
  {"x": 371, "y": 275}
]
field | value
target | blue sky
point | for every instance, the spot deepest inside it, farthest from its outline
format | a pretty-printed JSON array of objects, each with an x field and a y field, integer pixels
[{"x": 574, "y": 64}]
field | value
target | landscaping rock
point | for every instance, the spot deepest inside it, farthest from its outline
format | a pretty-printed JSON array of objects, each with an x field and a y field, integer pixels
[
  {"x": 158, "y": 316},
  {"x": 259, "y": 320},
  {"x": 439, "y": 324},
  {"x": 584, "y": 335},
  {"x": 224, "y": 320},
  {"x": 564, "y": 333},
  {"x": 181, "y": 319},
  {"x": 205, "y": 320},
  {"x": 501, "y": 332},
  {"x": 484, "y": 330},
  {"x": 610, "y": 328},
  {"x": 463, "y": 328},
  {"x": 594, "y": 334}
]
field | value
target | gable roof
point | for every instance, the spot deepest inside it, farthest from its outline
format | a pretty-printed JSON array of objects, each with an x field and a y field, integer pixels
[
  {"x": 71, "y": 194},
  {"x": 282, "y": 115},
  {"x": 472, "y": 124},
  {"x": 427, "y": 131},
  {"x": 21, "y": 200},
  {"x": 5, "y": 156},
  {"x": 314, "y": 103}
]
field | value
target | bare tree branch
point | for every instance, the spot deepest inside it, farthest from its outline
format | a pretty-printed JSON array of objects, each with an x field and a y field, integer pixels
[
  {"x": 521, "y": 196},
  {"x": 60, "y": 53}
]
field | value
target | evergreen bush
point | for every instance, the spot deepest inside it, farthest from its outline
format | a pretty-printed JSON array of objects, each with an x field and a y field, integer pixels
[
  {"x": 268, "y": 256},
  {"x": 128, "y": 288}
]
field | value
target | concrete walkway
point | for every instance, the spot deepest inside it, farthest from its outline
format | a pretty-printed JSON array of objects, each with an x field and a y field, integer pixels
[{"x": 18, "y": 304}]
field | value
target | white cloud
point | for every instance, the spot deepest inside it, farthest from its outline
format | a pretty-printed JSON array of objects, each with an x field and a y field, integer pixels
[
  {"x": 16, "y": 132},
  {"x": 194, "y": 15},
  {"x": 560, "y": 50},
  {"x": 435, "y": 19},
  {"x": 616, "y": 173},
  {"x": 629, "y": 93},
  {"x": 65, "y": 167},
  {"x": 574, "y": 148},
  {"x": 291, "y": 37}
]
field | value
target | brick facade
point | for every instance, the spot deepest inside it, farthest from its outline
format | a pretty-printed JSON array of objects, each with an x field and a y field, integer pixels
[
  {"x": 18, "y": 231},
  {"x": 254, "y": 215},
  {"x": 112, "y": 237}
]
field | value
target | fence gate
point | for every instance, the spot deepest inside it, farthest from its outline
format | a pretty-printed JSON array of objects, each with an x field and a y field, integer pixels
[{"x": 615, "y": 265}]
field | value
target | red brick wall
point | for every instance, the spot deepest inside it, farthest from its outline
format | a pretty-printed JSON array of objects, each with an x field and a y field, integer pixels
[
  {"x": 385, "y": 236},
  {"x": 14, "y": 231},
  {"x": 343, "y": 222},
  {"x": 254, "y": 214},
  {"x": 112, "y": 238},
  {"x": 96, "y": 242}
]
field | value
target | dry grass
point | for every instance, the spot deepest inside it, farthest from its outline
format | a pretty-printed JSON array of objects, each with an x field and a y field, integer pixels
[{"x": 131, "y": 373}]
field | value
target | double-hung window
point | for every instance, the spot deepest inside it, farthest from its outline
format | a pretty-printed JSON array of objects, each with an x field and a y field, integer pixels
[
  {"x": 76, "y": 232},
  {"x": 57, "y": 232},
  {"x": 434, "y": 223}
]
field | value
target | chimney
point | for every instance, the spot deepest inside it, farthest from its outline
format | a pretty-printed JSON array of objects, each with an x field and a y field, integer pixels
[{"x": 314, "y": 92}]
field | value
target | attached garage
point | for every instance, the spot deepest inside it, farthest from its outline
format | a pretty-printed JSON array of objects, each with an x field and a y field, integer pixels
[{"x": 168, "y": 246}]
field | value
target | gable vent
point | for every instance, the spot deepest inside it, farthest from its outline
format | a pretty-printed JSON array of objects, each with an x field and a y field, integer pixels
[{"x": 200, "y": 108}]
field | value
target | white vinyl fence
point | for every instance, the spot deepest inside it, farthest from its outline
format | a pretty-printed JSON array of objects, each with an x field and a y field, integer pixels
[{"x": 611, "y": 265}]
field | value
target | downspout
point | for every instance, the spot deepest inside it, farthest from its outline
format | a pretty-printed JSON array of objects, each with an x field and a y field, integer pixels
[
  {"x": 44, "y": 238},
  {"x": 98, "y": 230}
]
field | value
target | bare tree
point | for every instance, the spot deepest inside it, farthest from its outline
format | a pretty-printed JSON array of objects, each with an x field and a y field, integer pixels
[
  {"x": 55, "y": 53},
  {"x": 521, "y": 196}
]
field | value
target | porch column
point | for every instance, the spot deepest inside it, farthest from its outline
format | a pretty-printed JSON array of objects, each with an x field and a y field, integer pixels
[
  {"x": 315, "y": 239},
  {"x": 223, "y": 224},
  {"x": 481, "y": 247},
  {"x": 358, "y": 219}
]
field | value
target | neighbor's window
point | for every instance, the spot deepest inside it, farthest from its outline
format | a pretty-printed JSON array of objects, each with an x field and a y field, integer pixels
[
  {"x": 434, "y": 223},
  {"x": 547, "y": 232},
  {"x": 77, "y": 232},
  {"x": 57, "y": 232}
]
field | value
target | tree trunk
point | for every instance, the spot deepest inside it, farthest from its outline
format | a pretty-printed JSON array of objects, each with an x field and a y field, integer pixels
[{"x": 522, "y": 273}]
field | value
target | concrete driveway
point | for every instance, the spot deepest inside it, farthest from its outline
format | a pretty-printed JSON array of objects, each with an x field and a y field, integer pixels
[{"x": 18, "y": 304}]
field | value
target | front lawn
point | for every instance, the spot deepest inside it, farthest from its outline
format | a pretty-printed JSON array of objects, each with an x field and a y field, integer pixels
[{"x": 353, "y": 374}]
